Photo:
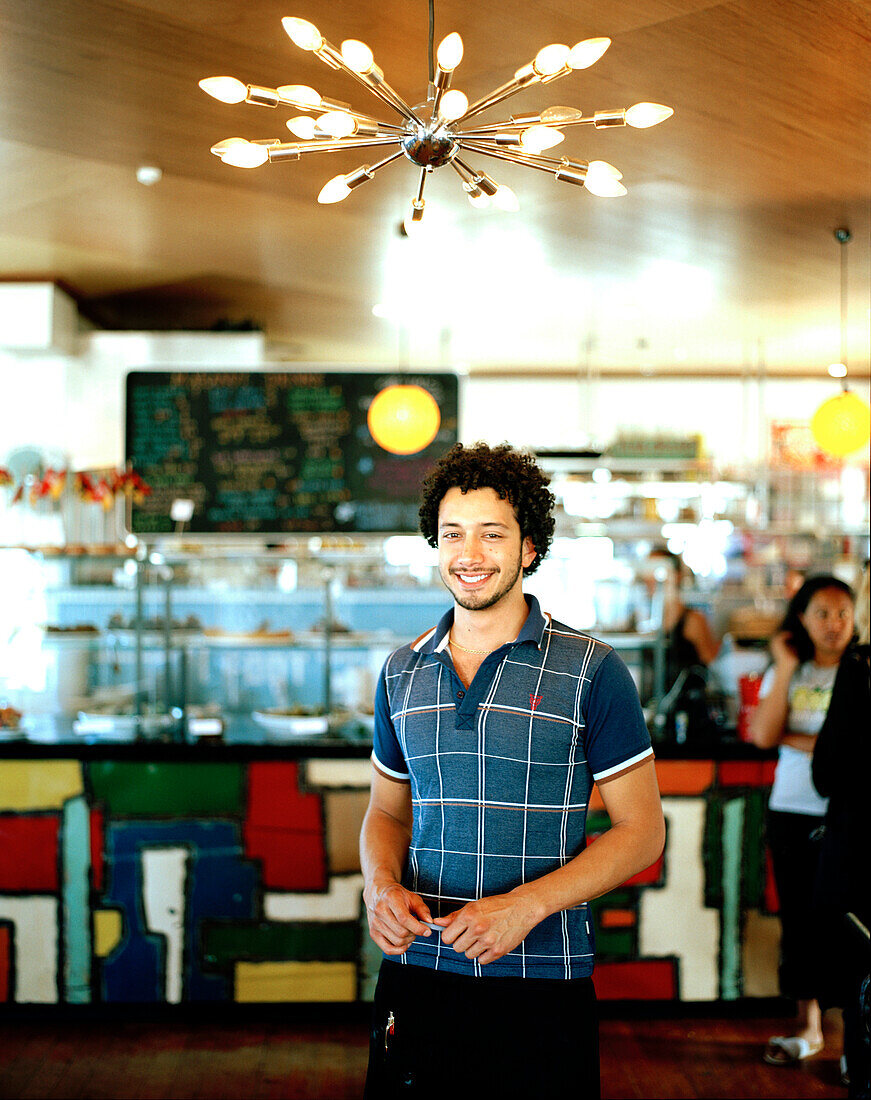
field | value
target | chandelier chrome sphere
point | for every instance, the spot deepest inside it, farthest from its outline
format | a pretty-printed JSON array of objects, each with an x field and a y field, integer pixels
[{"x": 433, "y": 134}]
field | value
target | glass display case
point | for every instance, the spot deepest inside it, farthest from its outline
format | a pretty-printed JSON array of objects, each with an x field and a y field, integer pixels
[{"x": 250, "y": 643}]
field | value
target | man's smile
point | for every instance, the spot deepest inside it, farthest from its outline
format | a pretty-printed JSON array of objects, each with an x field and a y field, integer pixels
[{"x": 471, "y": 580}]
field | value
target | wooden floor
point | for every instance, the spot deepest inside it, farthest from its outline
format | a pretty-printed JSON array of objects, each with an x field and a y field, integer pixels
[{"x": 272, "y": 1056}]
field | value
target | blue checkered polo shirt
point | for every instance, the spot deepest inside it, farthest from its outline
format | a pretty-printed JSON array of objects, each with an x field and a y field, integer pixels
[{"x": 501, "y": 775}]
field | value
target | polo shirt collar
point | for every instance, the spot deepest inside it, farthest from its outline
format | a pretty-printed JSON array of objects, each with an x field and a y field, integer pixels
[{"x": 532, "y": 630}]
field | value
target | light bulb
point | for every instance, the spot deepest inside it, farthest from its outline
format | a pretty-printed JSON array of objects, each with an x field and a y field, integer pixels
[
  {"x": 303, "y": 34},
  {"x": 837, "y": 370},
  {"x": 506, "y": 200},
  {"x": 225, "y": 88},
  {"x": 337, "y": 124},
  {"x": 603, "y": 179},
  {"x": 587, "y": 53},
  {"x": 476, "y": 196},
  {"x": 550, "y": 59},
  {"x": 450, "y": 52},
  {"x": 302, "y": 127},
  {"x": 334, "y": 190},
  {"x": 357, "y": 55},
  {"x": 453, "y": 105},
  {"x": 602, "y": 167},
  {"x": 300, "y": 95},
  {"x": 642, "y": 115},
  {"x": 536, "y": 139},
  {"x": 245, "y": 154},
  {"x": 556, "y": 116},
  {"x": 221, "y": 147}
]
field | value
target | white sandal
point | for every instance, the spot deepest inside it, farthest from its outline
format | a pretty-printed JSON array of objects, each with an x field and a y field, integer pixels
[{"x": 783, "y": 1050}]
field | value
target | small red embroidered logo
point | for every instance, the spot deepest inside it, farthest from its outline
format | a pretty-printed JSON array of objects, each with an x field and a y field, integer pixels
[{"x": 534, "y": 700}]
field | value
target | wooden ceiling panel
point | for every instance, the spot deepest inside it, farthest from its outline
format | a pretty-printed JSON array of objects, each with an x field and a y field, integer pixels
[{"x": 724, "y": 241}]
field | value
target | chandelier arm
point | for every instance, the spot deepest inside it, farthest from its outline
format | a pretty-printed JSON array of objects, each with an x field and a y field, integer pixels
[
  {"x": 387, "y": 160},
  {"x": 463, "y": 170},
  {"x": 377, "y": 85},
  {"x": 292, "y": 150},
  {"x": 506, "y": 126},
  {"x": 501, "y": 93},
  {"x": 545, "y": 164},
  {"x": 419, "y": 200}
]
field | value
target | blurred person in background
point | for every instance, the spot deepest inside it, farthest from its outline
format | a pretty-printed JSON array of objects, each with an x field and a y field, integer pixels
[
  {"x": 793, "y": 700},
  {"x": 841, "y": 769},
  {"x": 690, "y": 639}
]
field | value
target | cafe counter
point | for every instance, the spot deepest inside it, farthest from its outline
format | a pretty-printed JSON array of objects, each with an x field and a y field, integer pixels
[{"x": 227, "y": 870}]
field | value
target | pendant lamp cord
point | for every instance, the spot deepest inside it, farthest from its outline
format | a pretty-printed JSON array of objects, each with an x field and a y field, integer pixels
[
  {"x": 430, "y": 41},
  {"x": 842, "y": 236}
]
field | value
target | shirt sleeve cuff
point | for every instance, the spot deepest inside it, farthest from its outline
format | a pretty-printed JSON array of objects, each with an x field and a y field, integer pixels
[
  {"x": 389, "y": 773},
  {"x": 624, "y": 766}
]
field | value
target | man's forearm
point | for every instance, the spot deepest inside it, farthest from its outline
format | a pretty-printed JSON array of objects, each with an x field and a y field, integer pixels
[
  {"x": 608, "y": 862},
  {"x": 384, "y": 845}
]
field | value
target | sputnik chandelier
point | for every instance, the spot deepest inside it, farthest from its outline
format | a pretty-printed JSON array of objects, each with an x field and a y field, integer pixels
[{"x": 438, "y": 133}]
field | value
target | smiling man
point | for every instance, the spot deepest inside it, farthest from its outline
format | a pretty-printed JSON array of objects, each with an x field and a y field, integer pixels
[{"x": 490, "y": 730}]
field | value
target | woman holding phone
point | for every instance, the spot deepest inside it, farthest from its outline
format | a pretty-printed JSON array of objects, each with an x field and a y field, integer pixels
[{"x": 793, "y": 701}]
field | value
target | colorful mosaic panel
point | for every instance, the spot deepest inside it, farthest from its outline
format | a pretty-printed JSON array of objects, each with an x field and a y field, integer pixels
[{"x": 163, "y": 882}]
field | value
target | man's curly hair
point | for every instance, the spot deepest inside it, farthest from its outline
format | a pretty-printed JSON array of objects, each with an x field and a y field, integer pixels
[{"x": 513, "y": 476}]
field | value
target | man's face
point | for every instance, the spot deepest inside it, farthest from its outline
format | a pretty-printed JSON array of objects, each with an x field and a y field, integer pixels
[{"x": 481, "y": 553}]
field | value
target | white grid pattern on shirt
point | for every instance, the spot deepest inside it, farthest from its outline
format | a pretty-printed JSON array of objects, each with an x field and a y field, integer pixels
[{"x": 487, "y": 756}]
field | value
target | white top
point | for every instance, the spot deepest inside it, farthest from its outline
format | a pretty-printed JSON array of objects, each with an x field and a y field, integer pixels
[{"x": 810, "y": 691}]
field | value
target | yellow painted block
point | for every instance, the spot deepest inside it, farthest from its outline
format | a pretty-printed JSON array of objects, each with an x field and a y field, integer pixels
[
  {"x": 108, "y": 929},
  {"x": 39, "y": 784},
  {"x": 295, "y": 981}
]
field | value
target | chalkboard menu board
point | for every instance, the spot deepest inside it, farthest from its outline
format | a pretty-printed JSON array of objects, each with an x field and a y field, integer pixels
[{"x": 269, "y": 453}]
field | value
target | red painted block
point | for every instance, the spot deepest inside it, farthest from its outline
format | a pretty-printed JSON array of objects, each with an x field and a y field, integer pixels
[
  {"x": 275, "y": 800},
  {"x": 291, "y": 859},
  {"x": 642, "y": 980},
  {"x": 97, "y": 862},
  {"x": 650, "y": 876},
  {"x": 746, "y": 773},
  {"x": 29, "y": 853},
  {"x": 617, "y": 918},
  {"x": 284, "y": 829},
  {"x": 5, "y": 963},
  {"x": 772, "y": 901}
]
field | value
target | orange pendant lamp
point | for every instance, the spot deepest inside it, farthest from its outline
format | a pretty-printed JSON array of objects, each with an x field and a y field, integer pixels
[
  {"x": 403, "y": 419},
  {"x": 842, "y": 424}
]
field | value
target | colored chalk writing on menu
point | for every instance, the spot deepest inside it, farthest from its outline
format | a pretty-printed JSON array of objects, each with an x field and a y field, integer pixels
[{"x": 263, "y": 452}]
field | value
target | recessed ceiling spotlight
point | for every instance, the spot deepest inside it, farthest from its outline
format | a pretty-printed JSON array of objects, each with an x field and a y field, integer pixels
[{"x": 149, "y": 174}]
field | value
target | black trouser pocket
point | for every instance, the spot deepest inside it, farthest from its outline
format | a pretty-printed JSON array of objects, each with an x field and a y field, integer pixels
[{"x": 399, "y": 1053}]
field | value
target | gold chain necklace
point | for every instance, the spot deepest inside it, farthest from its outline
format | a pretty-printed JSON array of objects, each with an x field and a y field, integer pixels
[{"x": 465, "y": 649}]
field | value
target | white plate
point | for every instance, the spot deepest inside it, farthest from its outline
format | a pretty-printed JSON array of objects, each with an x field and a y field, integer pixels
[
  {"x": 300, "y": 725},
  {"x": 292, "y": 725},
  {"x": 121, "y": 725}
]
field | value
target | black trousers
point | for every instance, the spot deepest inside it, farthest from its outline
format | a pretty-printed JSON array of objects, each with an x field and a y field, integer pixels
[
  {"x": 795, "y": 852},
  {"x": 436, "y": 1034}
]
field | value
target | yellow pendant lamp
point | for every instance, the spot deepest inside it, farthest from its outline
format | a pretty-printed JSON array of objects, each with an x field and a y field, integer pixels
[
  {"x": 403, "y": 419},
  {"x": 842, "y": 424}
]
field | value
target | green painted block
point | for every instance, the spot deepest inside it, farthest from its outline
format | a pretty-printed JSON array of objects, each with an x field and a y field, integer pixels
[
  {"x": 186, "y": 790},
  {"x": 226, "y": 943},
  {"x": 597, "y": 822},
  {"x": 614, "y": 899},
  {"x": 753, "y": 856},
  {"x": 712, "y": 853},
  {"x": 730, "y": 916},
  {"x": 616, "y": 943}
]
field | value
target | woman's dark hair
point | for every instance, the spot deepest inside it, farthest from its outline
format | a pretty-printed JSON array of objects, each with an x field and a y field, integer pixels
[
  {"x": 792, "y": 624},
  {"x": 511, "y": 475},
  {"x": 674, "y": 560}
]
